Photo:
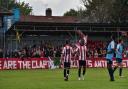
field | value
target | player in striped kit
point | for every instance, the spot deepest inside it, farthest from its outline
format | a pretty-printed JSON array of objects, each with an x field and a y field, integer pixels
[
  {"x": 81, "y": 51},
  {"x": 66, "y": 58}
]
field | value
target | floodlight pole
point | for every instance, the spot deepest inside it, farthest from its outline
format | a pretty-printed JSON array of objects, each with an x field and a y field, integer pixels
[
  {"x": 4, "y": 50},
  {"x": 118, "y": 32},
  {"x": 16, "y": 39}
]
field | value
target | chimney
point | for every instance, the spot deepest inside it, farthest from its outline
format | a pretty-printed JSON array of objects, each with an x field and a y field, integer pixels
[{"x": 48, "y": 12}]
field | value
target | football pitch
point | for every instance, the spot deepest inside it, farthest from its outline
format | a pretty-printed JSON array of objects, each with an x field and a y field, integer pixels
[{"x": 95, "y": 78}]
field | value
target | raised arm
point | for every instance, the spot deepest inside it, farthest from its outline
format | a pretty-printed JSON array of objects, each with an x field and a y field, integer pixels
[{"x": 82, "y": 35}]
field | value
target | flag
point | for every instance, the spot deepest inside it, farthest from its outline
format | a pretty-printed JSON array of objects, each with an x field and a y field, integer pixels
[{"x": 17, "y": 36}]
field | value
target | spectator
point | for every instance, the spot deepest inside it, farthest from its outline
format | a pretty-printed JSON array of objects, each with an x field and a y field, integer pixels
[
  {"x": 37, "y": 53},
  {"x": 100, "y": 53},
  {"x": 16, "y": 54},
  {"x": 95, "y": 54},
  {"x": 7, "y": 54}
]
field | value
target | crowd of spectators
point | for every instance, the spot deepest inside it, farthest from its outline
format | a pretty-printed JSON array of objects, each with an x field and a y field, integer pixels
[
  {"x": 38, "y": 51},
  {"x": 95, "y": 49}
]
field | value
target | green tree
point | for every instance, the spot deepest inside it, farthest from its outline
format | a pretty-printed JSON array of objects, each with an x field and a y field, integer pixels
[
  {"x": 120, "y": 11},
  {"x": 25, "y": 8},
  {"x": 71, "y": 12},
  {"x": 97, "y": 10},
  {"x": 106, "y": 10},
  {"x": 102, "y": 11}
]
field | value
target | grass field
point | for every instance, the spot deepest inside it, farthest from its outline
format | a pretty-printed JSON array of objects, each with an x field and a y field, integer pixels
[{"x": 96, "y": 78}]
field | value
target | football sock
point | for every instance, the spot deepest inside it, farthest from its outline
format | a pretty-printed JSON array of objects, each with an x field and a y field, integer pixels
[
  {"x": 68, "y": 71},
  {"x": 120, "y": 71},
  {"x": 64, "y": 72},
  {"x": 79, "y": 72},
  {"x": 115, "y": 68},
  {"x": 84, "y": 69}
]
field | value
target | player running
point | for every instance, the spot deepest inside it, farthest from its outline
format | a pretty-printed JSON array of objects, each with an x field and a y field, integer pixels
[
  {"x": 119, "y": 56},
  {"x": 81, "y": 51},
  {"x": 66, "y": 59}
]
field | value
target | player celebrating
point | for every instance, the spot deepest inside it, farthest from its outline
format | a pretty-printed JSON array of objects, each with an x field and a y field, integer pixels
[
  {"x": 81, "y": 50},
  {"x": 119, "y": 53},
  {"x": 109, "y": 57},
  {"x": 66, "y": 58}
]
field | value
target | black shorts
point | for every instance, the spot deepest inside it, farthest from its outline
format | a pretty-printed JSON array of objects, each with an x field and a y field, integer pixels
[
  {"x": 109, "y": 61},
  {"x": 82, "y": 63},
  {"x": 66, "y": 64},
  {"x": 118, "y": 60}
]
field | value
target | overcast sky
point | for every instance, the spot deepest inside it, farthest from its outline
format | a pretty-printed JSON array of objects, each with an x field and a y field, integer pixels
[{"x": 58, "y": 6}]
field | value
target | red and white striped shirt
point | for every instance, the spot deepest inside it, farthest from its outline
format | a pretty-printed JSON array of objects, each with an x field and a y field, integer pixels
[
  {"x": 67, "y": 53},
  {"x": 82, "y": 50}
]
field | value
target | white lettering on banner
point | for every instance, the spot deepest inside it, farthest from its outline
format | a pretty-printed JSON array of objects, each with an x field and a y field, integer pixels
[
  {"x": 89, "y": 63},
  {"x": 0, "y": 65},
  {"x": 105, "y": 64},
  {"x": 74, "y": 63},
  {"x": 45, "y": 63},
  {"x": 26, "y": 64},
  {"x": 9, "y": 65},
  {"x": 114, "y": 63},
  {"x": 5, "y": 66},
  {"x": 14, "y": 65},
  {"x": 20, "y": 62},
  {"x": 100, "y": 63},
  {"x": 125, "y": 63},
  {"x": 41, "y": 64},
  {"x": 97, "y": 64},
  {"x": 34, "y": 64}
]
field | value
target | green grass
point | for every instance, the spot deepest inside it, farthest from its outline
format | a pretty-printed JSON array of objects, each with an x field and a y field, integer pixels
[{"x": 96, "y": 78}]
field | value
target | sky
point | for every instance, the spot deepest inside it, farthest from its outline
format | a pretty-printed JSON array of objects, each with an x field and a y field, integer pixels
[{"x": 59, "y": 7}]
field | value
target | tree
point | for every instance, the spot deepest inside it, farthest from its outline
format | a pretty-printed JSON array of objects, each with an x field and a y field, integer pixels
[
  {"x": 80, "y": 13},
  {"x": 71, "y": 12},
  {"x": 94, "y": 11},
  {"x": 120, "y": 11},
  {"x": 104, "y": 11},
  {"x": 25, "y": 9},
  {"x": 97, "y": 10}
]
